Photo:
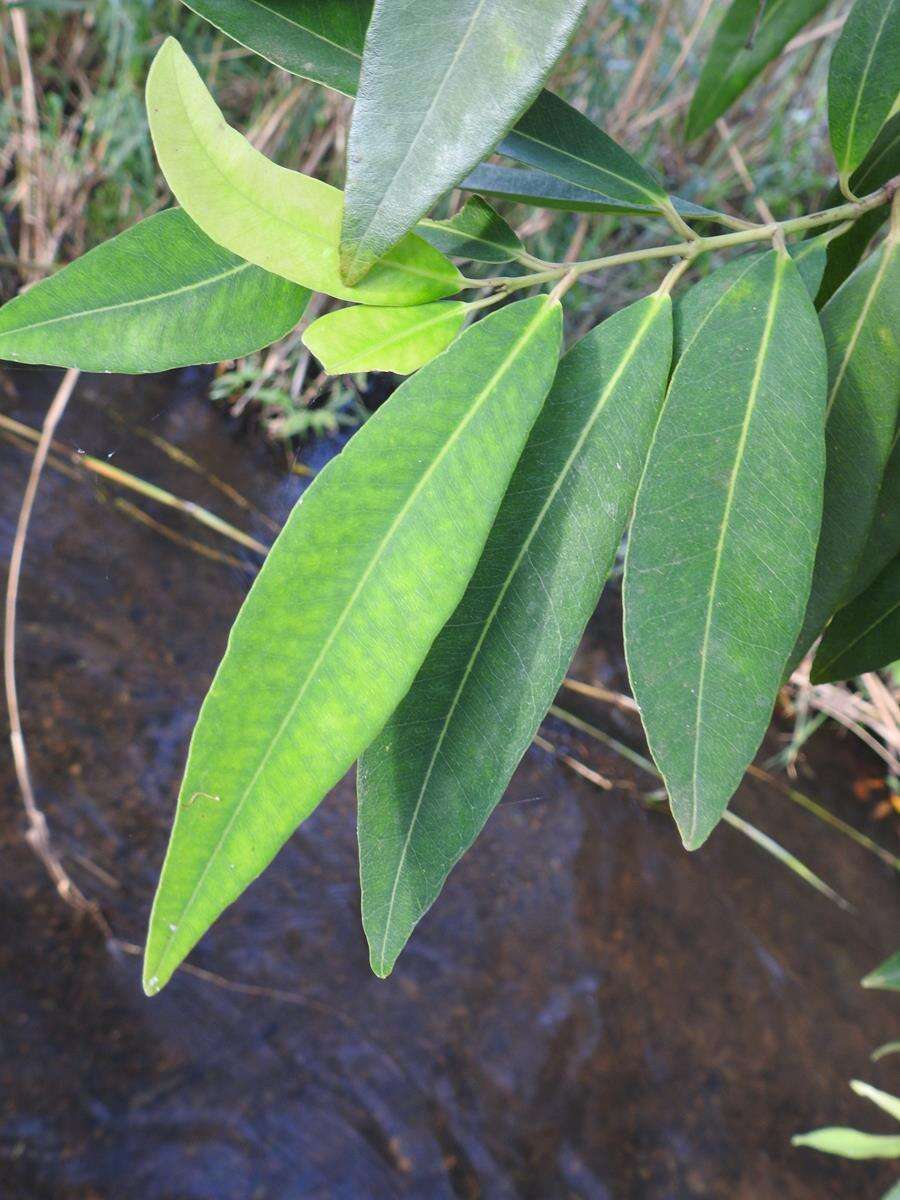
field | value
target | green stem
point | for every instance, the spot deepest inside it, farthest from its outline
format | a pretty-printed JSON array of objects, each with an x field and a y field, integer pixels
[{"x": 698, "y": 245}]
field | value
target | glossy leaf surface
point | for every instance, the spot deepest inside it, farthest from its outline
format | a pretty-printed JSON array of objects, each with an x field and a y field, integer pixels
[
  {"x": 864, "y": 635},
  {"x": 844, "y": 252},
  {"x": 861, "y": 323},
  {"x": 749, "y": 37},
  {"x": 160, "y": 295},
  {"x": 557, "y": 139},
  {"x": 315, "y": 39},
  {"x": 364, "y": 338},
  {"x": 884, "y": 538},
  {"x": 431, "y": 779},
  {"x": 863, "y": 80},
  {"x": 476, "y": 232},
  {"x": 886, "y": 975},
  {"x": 723, "y": 539},
  {"x": 850, "y": 1143},
  {"x": 546, "y": 191},
  {"x": 440, "y": 85},
  {"x": 369, "y": 566},
  {"x": 281, "y": 220}
]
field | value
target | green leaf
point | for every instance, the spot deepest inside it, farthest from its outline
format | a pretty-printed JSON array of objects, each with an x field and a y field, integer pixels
[
  {"x": 723, "y": 539},
  {"x": 844, "y": 252},
  {"x": 893, "y": 1193},
  {"x": 440, "y": 86},
  {"x": 849, "y": 1143},
  {"x": 371, "y": 563},
  {"x": 751, "y": 34},
  {"x": 311, "y": 38},
  {"x": 865, "y": 634},
  {"x": 160, "y": 295},
  {"x": 384, "y": 339},
  {"x": 431, "y": 779},
  {"x": 886, "y": 975},
  {"x": 281, "y": 220},
  {"x": 861, "y": 323},
  {"x": 863, "y": 80},
  {"x": 884, "y": 539},
  {"x": 885, "y": 1101},
  {"x": 546, "y": 191},
  {"x": 556, "y": 138},
  {"x": 477, "y": 232}
]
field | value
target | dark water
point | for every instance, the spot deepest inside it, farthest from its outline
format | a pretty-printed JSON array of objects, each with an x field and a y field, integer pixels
[{"x": 587, "y": 1012}]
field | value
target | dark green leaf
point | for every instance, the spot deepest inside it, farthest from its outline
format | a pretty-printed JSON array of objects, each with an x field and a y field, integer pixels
[
  {"x": 556, "y": 138},
  {"x": 861, "y": 323},
  {"x": 402, "y": 340},
  {"x": 476, "y": 232},
  {"x": 281, "y": 220},
  {"x": 315, "y": 39},
  {"x": 863, "y": 80},
  {"x": 546, "y": 191},
  {"x": 371, "y": 563},
  {"x": 844, "y": 252},
  {"x": 723, "y": 539},
  {"x": 429, "y": 782},
  {"x": 884, "y": 538},
  {"x": 865, "y": 634},
  {"x": 440, "y": 86},
  {"x": 159, "y": 295},
  {"x": 886, "y": 975},
  {"x": 751, "y": 34}
]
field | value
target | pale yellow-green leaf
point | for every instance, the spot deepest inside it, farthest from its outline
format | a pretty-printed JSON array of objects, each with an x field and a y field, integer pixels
[
  {"x": 278, "y": 219},
  {"x": 384, "y": 339}
]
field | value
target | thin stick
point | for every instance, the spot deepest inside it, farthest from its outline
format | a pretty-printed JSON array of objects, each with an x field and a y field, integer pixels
[{"x": 38, "y": 833}]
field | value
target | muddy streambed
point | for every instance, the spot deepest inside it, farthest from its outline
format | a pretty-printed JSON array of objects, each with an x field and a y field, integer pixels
[{"x": 587, "y": 1012}]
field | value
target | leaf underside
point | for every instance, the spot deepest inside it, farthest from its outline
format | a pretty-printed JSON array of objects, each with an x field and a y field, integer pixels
[
  {"x": 369, "y": 566},
  {"x": 440, "y": 86},
  {"x": 476, "y": 232},
  {"x": 401, "y": 340},
  {"x": 432, "y": 777},
  {"x": 723, "y": 539}
]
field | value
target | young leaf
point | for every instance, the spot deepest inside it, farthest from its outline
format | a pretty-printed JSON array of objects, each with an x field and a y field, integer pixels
[
  {"x": 371, "y": 563},
  {"x": 160, "y": 295},
  {"x": 863, "y": 80},
  {"x": 864, "y": 635},
  {"x": 861, "y": 323},
  {"x": 884, "y": 1100},
  {"x": 849, "y": 1143},
  {"x": 844, "y": 252},
  {"x": 364, "y": 338},
  {"x": 546, "y": 191},
  {"x": 751, "y": 34},
  {"x": 723, "y": 539},
  {"x": 476, "y": 232},
  {"x": 886, "y": 975},
  {"x": 316, "y": 40},
  {"x": 556, "y": 138},
  {"x": 281, "y": 220},
  {"x": 431, "y": 779},
  {"x": 440, "y": 86}
]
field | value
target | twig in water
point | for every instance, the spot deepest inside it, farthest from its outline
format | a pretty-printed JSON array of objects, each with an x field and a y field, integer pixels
[{"x": 38, "y": 833}]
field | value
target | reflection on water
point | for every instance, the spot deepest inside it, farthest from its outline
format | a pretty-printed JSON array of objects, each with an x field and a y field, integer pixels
[{"x": 587, "y": 1012}]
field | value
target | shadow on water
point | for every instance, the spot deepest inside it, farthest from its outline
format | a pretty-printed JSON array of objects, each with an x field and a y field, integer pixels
[{"x": 587, "y": 1012}]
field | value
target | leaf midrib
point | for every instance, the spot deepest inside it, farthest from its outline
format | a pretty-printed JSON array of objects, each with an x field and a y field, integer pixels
[
  {"x": 850, "y": 349},
  {"x": 158, "y": 297},
  {"x": 476, "y": 406},
  {"x": 780, "y": 264},
  {"x": 507, "y": 582},
  {"x": 851, "y": 128},
  {"x": 847, "y": 646},
  {"x": 424, "y": 121},
  {"x": 386, "y": 343}
]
